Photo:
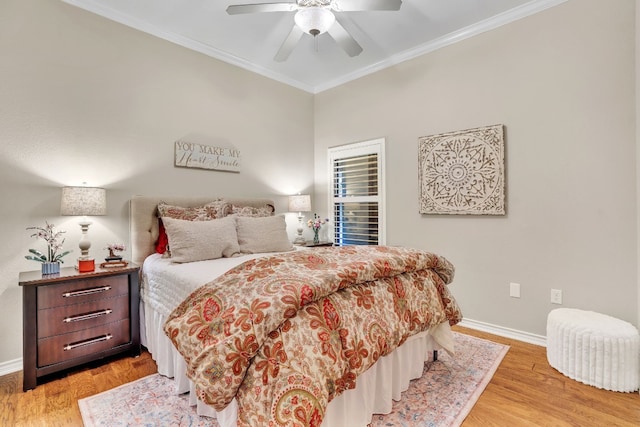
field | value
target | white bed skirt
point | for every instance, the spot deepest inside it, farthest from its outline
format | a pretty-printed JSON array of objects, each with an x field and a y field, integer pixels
[{"x": 375, "y": 389}]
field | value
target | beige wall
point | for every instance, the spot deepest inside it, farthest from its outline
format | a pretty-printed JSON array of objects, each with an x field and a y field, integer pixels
[
  {"x": 86, "y": 99},
  {"x": 562, "y": 83}
]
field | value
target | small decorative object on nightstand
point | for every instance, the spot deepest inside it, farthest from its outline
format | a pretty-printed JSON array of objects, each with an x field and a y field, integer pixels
[
  {"x": 113, "y": 248},
  {"x": 72, "y": 318},
  {"x": 316, "y": 224},
  {"x": 113, "y": 260},
  {"x": 53, "y": 258},
  {"x": 114, "y": 264}
]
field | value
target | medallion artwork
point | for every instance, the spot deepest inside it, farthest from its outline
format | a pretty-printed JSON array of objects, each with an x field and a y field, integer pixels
[{"x": 463, "y": 172}]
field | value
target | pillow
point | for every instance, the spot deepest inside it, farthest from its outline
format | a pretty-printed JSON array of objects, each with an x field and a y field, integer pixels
[
  {"x": 249, "y": 211},
  {"x": 263, "y": 234},
  {"x": 162, "y": 243},
  {"x": 200, "y": 240},
  {"x": 212, "y": 210}
]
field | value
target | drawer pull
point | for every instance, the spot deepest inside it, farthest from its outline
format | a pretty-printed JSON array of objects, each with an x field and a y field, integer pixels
[
  {"x": 87, "y": 316},
  {"x": 87, "y": 342},
  {"x": 86, "y": 292}
]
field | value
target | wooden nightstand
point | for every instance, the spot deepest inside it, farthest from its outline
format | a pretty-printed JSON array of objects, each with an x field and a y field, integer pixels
[{"x": 73, "y": 318}]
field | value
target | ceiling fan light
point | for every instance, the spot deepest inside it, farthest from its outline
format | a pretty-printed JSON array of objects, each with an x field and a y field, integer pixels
[{"x": 314, "y": 20}]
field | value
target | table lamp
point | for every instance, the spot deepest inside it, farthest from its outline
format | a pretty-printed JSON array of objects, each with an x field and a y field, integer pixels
[
  {"x": 300, "y": 203},
  {"x": 84, "y": 201}
]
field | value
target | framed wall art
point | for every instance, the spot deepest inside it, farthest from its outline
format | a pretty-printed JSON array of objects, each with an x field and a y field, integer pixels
[{"x": 462, "y": 172}]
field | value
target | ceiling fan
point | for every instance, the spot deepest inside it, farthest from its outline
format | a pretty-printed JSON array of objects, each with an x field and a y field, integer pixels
[{"x": 316, "y": 17}]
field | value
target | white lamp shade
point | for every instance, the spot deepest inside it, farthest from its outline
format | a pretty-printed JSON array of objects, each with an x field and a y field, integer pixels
[
  {"x": 300, "y": 203},
  {"x": 314, "y": 20},
  {"x": 80, "y": 201}
]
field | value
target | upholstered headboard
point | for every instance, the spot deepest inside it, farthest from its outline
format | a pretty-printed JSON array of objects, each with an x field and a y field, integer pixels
[{"x": 144, "y": 218}]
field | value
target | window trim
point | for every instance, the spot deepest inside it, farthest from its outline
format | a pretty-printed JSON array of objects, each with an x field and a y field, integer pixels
[{"x": 357, "y": 149}]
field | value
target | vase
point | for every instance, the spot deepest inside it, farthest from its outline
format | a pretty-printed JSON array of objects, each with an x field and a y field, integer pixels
[
  {"x": 316, "y": 238},
  {"x": 50, "y": 267}
]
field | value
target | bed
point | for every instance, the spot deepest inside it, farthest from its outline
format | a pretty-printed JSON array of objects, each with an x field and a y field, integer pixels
[{"x": 183, "y": 323}]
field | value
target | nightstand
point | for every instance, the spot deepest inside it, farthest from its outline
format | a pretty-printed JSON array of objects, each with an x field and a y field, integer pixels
[
  {"x": 72, "y": 318},
  {"x": 310, "y": 244}
]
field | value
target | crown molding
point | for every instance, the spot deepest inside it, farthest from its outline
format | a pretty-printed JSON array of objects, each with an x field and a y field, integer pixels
[
  {"x": 492, "y": 23},
  {"x": 186, "y": 42},
  {"x": 496, "y": 21}
]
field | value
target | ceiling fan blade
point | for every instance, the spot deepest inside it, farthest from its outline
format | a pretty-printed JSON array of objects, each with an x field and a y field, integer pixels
[
  {"x": 289, "y": 43},
  {"x": 357, "y": 5},
  {"x": 262, "y": 7},
  {"x": 344, "y": 39}
]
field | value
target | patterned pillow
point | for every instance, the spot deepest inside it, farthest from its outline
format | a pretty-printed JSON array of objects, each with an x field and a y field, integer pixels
[
  {"x": 212, "y": 210},
  {"x": 248, "y": 211}
]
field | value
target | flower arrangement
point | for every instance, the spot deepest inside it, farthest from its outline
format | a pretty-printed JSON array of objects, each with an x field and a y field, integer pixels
[
  {"x": 54, "y": 244},
  {"x": 316, "y": 224}
]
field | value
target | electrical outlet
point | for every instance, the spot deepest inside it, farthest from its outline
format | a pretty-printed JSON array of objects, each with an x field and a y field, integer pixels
[
  {"x": 514, "y": 290},
  {"x": 556, "y": 296}
]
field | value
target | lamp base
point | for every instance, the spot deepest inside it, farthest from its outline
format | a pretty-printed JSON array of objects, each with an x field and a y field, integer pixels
[
  {"x": 299, "y": 240},
  {"x": 86, "y": 265}
]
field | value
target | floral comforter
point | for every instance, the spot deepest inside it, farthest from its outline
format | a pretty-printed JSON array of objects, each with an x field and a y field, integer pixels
[{"x": 287, "y": 333}]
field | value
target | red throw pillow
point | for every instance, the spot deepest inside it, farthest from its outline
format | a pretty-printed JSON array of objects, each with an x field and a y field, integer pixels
[{"x": 163, "y": 241}]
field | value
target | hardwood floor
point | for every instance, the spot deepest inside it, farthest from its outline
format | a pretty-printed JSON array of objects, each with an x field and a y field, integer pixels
[
  {"x": 55, "y": 402},
  {"x": 525, "y": 391}
]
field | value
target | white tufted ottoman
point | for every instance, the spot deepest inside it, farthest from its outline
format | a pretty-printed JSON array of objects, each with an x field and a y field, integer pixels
[{"x": 594, "y": 349}]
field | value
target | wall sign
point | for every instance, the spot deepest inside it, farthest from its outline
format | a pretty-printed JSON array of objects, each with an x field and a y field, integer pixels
[
  {"x": 462, "y": 172},
  {"x": 195, "y": 155}
]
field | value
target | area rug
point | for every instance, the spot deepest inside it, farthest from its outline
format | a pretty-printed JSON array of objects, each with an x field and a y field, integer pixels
[{"x": 442, "y": 397}]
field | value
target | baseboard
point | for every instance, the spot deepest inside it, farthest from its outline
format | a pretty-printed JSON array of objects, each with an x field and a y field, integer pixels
[
  {"x": 10, "y": 366},
  {"x": 505, "y": 332}
]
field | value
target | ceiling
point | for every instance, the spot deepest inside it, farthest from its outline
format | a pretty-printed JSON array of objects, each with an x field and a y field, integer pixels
[{"x": 250, "y": 41}]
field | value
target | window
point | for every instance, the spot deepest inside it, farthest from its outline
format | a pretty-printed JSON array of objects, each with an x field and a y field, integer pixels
[{"x": 357, "y": 193}]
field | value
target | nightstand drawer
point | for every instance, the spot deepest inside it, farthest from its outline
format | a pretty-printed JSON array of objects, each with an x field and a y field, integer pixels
[
  {"x": 80, "y": 291},
  {"x": 65, "y": 347},
  {"x": 70, "y": 318}
]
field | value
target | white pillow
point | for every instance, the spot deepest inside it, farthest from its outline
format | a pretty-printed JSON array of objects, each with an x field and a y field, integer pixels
[
  {"x": 263, "y": 234},
  {"x": 200, "y": 240}
]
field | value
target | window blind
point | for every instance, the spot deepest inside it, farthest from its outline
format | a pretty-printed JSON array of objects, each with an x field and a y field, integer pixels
[
  {"x": 355, "y": 194},
  {"x": 356, "y": 223}
]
